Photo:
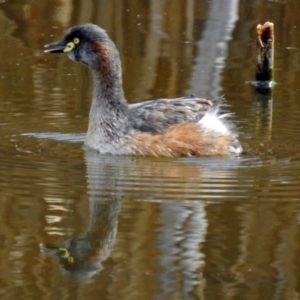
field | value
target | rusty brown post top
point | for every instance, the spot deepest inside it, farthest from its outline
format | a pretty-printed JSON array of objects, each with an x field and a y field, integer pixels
[{"x": 265, "y": 52}]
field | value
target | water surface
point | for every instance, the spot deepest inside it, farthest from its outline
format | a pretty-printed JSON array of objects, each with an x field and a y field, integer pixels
[{"x": 78, "y": 225}]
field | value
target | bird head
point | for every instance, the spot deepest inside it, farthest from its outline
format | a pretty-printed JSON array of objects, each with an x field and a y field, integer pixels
[{"x": 85, "y": 44}]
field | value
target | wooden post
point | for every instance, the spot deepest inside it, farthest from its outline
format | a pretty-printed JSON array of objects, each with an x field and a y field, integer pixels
[
  {"x": 265, "y": 52},
  {"x": 264, "y": 81}
]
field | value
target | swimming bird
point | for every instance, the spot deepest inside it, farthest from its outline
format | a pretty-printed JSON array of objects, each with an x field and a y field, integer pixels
[{"x": 186, "y": 126}]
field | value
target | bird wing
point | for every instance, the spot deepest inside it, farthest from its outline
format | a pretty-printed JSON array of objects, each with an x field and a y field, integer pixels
[{"x": 155, "y": 116}]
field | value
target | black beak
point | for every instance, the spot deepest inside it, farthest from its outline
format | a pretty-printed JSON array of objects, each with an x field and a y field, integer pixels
[{"x": 57, "y": 47}]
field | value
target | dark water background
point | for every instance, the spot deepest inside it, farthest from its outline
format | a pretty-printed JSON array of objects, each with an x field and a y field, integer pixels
[{"x": 77, "y": 225}]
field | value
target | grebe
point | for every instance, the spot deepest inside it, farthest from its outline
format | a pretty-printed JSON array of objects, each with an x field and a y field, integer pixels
[{"x": 186, "y": 126}]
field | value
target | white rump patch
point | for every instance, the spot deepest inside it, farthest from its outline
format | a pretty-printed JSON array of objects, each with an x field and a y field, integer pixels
[{"x": 213, "y": 122}]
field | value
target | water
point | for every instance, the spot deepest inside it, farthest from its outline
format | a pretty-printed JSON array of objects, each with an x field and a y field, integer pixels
[{"x": 78, "y": 225}]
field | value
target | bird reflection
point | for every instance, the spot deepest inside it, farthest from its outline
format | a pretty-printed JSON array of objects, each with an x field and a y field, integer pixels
[{"x": 83, "y": 257}]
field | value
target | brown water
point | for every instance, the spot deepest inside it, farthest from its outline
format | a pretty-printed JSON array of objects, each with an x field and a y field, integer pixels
[{"x": 78, "y": 225}]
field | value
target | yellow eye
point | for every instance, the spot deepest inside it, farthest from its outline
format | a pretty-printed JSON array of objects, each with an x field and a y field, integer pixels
[{"x": 76, "y": 41}]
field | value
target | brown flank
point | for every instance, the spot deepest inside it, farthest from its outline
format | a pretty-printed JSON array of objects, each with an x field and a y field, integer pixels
[{"x": 185, "y": 139}]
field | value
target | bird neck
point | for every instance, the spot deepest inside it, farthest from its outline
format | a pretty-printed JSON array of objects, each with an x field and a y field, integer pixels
[
  {"x": 108, "y": 102},
  {"x": 109, "y": 114},
  {"x": 108, "y": 91},
  {"x": 107, "y": 72}
]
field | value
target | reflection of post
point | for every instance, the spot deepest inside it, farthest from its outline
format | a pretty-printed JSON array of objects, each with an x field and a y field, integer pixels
[
  {"x": 183, "y": 230},
  {"x": 267, "y": 248},
  {"x": 82, "y": 257},
  {"x": 264, "y": 111},
  {"x": 152, "y": 49},
  {"x": 212, "y": 48},
  {"x": 263, "y": 76}
]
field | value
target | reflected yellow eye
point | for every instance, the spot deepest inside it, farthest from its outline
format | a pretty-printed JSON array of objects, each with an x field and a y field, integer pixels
[{"x": 76, "y": 41}]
